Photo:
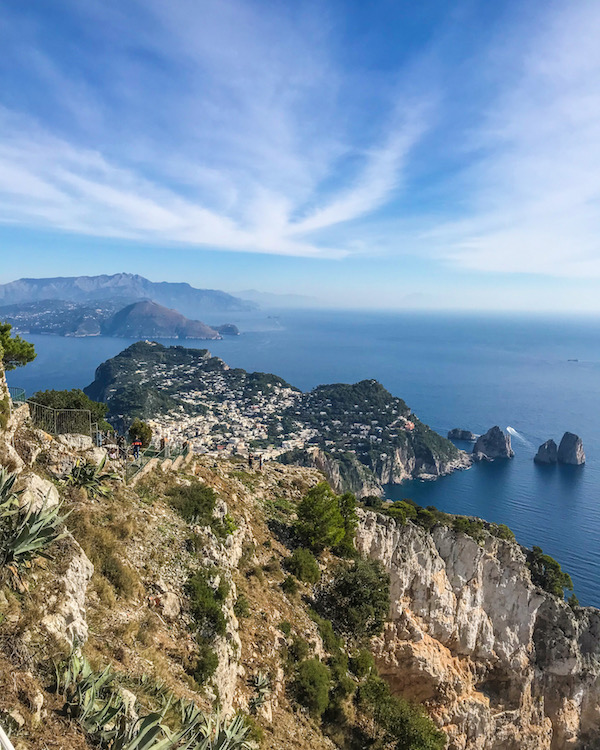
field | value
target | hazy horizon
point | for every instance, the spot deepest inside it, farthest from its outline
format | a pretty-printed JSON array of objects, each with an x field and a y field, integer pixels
[{"x": 381, "y": 155}]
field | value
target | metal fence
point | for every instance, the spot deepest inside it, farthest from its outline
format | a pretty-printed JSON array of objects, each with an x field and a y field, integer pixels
[
  {"x": 61, "y": 421},
  {"x": 169, "y": 452},
  {"x": 17, "y": 395}
]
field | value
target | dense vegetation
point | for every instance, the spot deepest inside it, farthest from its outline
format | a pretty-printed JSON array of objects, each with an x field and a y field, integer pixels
[
  {"x": 327, "y": 520},
  {"x": 357, "y": 600},
  {"x": 349, "y": 608},
  {"x": 207, "y": 594}
]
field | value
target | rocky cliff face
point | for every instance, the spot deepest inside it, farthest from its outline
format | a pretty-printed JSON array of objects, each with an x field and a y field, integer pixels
[
  {"x": 494, "y": 444},
  {"x": 347, "y": 474},
  {"x": 547, "y": 453},
  {"x": 570, "y": 450},
  {"x": 501, "y": 664}
]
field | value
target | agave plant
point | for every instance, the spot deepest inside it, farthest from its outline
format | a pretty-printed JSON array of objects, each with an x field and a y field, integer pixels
[
  {"x": 9, "y": 497},
  {"x": 262, "y": 687},
  {"x": 91, "y": 477},
  {"x": 25, "y": 533},
  {"x": 93, "y": 701}
]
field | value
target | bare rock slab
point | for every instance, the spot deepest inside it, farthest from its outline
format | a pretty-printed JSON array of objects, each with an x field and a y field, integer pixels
[
  {"x": 494, "y": 444},
  {"x": 570, "y": 450},
  {"x": 547, "y": 453}
]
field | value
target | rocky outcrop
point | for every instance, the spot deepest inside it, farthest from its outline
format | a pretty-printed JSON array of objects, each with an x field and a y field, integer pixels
[
  {"x": 494, "y": 444},
  {"x": 500, "y": 664},
  {"x": 547, "y": 453},
  {"x": 459, "y": 434},
  {"x": 570, "y": 450},
  {"x": 65, "y": 618},
  {"x": 347, "y": 474}
]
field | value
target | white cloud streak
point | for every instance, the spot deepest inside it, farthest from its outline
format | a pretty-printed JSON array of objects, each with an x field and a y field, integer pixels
[
  {"x": 532, "y": 193},
  {"x": 218, "y": 125}
]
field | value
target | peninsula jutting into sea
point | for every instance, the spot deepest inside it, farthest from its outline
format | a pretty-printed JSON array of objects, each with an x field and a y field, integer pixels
[{"x": 360, "y": 435}]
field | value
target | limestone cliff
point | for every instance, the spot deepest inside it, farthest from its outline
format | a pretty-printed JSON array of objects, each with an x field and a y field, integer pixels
[
  {"x": 501, "y": 664},
  {"x": 345, "y": 473}
]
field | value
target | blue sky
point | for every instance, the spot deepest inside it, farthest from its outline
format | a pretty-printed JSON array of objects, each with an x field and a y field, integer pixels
[{"x": 383, "y": 154}]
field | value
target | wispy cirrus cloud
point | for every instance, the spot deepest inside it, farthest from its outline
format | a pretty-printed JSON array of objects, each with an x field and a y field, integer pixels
[
  {"x": 531, "y": 192},
  {"x": 217, "y": 125}
]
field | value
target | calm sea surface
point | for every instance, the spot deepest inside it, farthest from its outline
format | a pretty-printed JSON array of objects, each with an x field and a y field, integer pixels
[{"x": 454, "y": 371}]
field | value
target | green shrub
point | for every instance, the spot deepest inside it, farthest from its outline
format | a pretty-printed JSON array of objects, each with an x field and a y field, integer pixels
[
  {"x": 342, "y": 684},
  {"x": 140, "y": 431},
  {"x": 357, "y": 600},
  {"x": 206, "y": 663},
  {"x": 228, "y": 524},
  {"x": 362, "y": 663},
  {"x": 347, "y": 505},
  {"x": 290, "y": 586},
  {"x": 331, "y": 642},
  {"x": 407, "y": 726},
  {"x": 311, "y": 686},
  {"x": 285, "y": 628},
  {"x": 473, "y": 527},
  {"x": 298, "y": 650},
  {"x": 74, "y": 399},
  {"x": 241, "y": 608},
  {"x": 320, "y": 523},
  {"x": 573, "y": 601},
  {"x": 194, "y": 502},
  {"x": 304, "y": 565},
  {"x": 4, "y": 411},
  {"x": 206, "y": 604},
  {"x": 502, "y": 531},
  {"x": 547, "y": 573}
]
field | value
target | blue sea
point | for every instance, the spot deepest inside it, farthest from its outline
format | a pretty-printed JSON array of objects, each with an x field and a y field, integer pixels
[{"x": 467, "y": 371}]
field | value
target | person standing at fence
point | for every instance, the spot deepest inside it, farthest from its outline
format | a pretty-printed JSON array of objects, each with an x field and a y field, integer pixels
[{"x": 137, "y": 445}]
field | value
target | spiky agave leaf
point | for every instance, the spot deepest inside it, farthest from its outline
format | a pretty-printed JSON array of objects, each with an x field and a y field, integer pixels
[{"x": 34, "y": 532}]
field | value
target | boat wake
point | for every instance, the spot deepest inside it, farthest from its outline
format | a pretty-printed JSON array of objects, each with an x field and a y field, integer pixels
[{"x": 519, "y": 436}]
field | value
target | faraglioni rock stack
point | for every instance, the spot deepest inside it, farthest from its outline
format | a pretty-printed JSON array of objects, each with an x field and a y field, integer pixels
[
  {"x": 459, "y": 434},
  {"x": 494, "y": 444},
  {"x": 547, "y": 453},
  {"x": 570, "y": 450}
]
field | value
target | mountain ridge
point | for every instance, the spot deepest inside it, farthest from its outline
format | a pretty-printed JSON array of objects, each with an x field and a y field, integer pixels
[{"x": 133, "y": 287}]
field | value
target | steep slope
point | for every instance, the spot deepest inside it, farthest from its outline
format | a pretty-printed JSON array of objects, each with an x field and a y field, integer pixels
[
  {"x": 502, "y": 664},
  {"x": 499, "y": 663}
]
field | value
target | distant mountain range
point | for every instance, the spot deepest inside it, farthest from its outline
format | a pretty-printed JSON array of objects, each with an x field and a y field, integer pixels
[
  {"x": 123, "y": 288},
  {"x": 269, "y": 299},
  {"x": 143, "y": 319}
]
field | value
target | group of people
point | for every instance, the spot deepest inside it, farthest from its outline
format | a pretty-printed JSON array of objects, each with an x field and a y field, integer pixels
[{"x": 255, "y": 460}]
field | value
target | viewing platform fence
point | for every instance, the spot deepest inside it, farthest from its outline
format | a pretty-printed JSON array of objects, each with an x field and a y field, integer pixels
[
  {"x": 61, "y": 421},
  {"x": 55, "y": 421},
  {"x": 17, "y": 395},
  {"x": 164, "y": 454}
]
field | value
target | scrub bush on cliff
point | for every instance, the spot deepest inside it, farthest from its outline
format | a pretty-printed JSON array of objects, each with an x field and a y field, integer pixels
[
  {"x": 326, "y": 520},
  {"x": 547, "y": 573},
  {"x": 357, "y": 600}
]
